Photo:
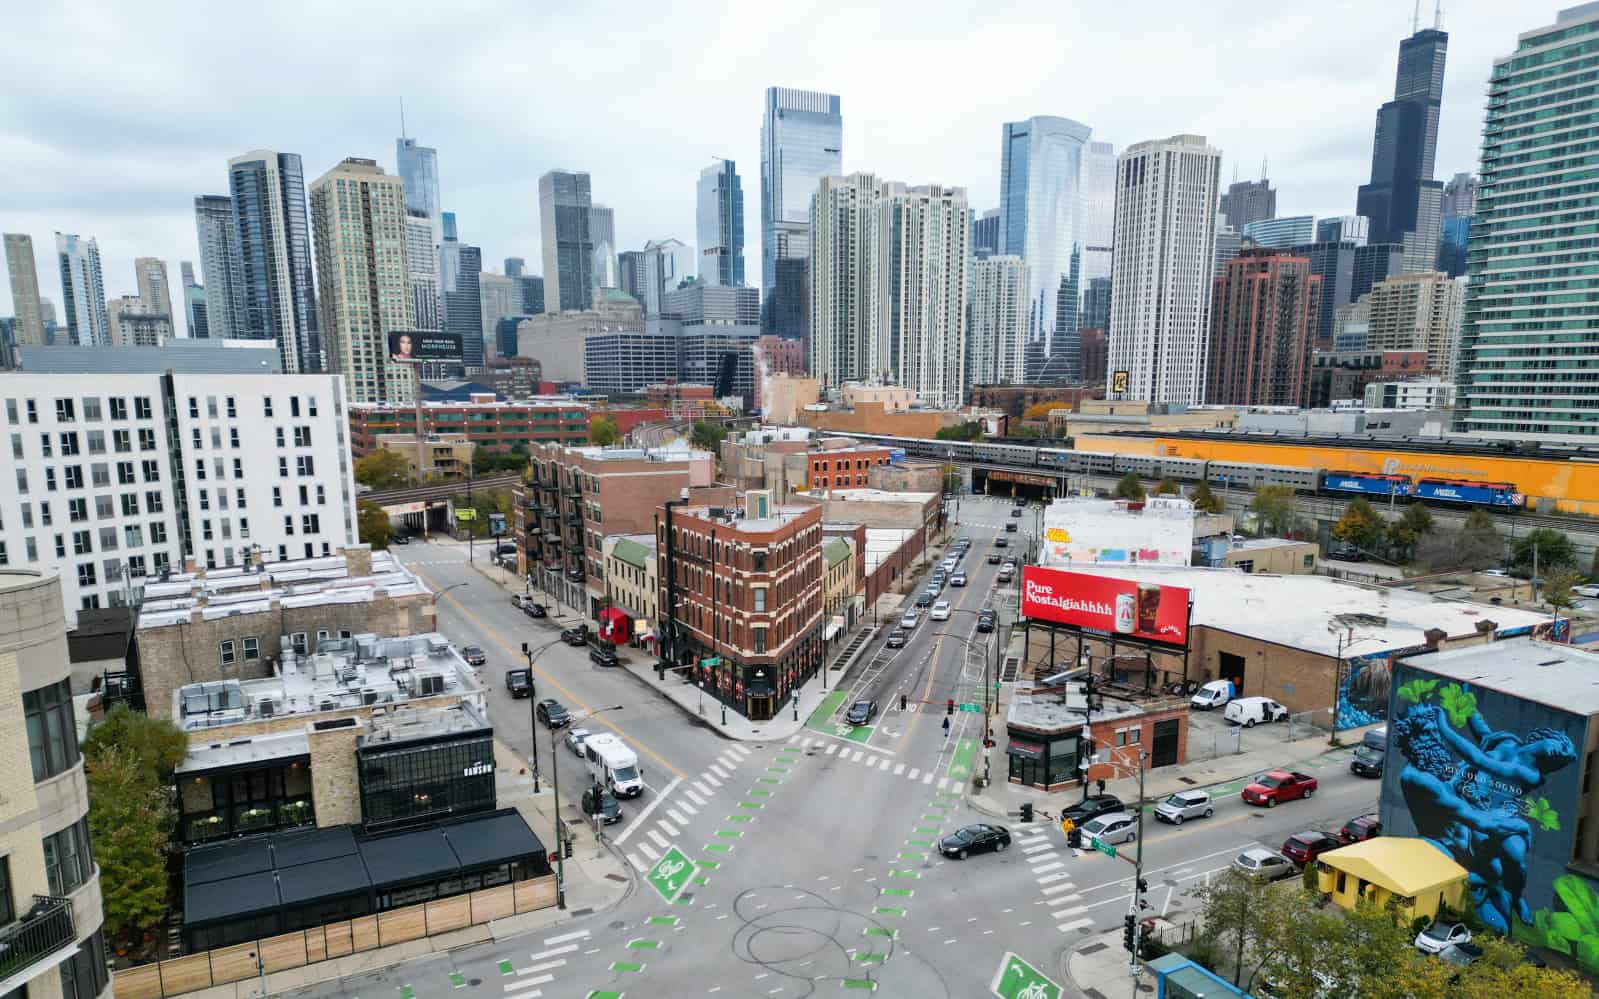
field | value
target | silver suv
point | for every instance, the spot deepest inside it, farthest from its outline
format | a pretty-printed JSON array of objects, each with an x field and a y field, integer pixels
[{"x": 1185, "y": 805}]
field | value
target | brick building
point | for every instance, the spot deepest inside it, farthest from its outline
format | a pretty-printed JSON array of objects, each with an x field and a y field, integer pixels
[
  {"x": 491, "y": 425},
  {"x": 1013, "y": 400},
  {"x": 1093, "y": 352},
  {"x": 579, "y": 495},
  {"x": 514, "y": 377},
  {"x": 741, "y": 589},
  {"x": 1344, "y": 374},
  {"x": 839, "y": 467},
  {"x": 631, "y": 580},
  {"x": 1264, "y": 309}
]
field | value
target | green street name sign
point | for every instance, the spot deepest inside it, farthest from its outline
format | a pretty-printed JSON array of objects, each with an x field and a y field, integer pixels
[
  {"x": 1102, "y": 846},
  {"x": 971, "y": 707},
  {"x": 671, "y": 873},
  {"x": 1019, "y": 980},
  {"x": 711, "y": 661}
]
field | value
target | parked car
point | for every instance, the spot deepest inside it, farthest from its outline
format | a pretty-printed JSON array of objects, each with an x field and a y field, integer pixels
[
  {"x": 1015, "y": 511},
  {"x": 1460, "y": 954},
  {"x": 1005, "y": 574},
  {"x": 574, "y": 740},
  {"x": 1437, "y": 936},
  {"x": 552, "y": 713},
  {"x": 518, "y": 682},
  {"x": 1279, "y": 785},
  {"x": 910, "y": 620},
  {"x": 1185, "y": 805},
  {"x": 603, "y": 655},
  {"x": 1360, "y": 828},
  {"x": 516, "y": 600},
  {"x": 576, "y": 637},
  {"x": 896, "y": 640},
  {"x": 1116, "y": 827},
  {"x": 1010, "y": 528},
  {"x": 940, "y": 611},
  {"x": 1304, "y": 847},
  {"x": 974, "y": 839},
  {"x": 958, "y": 579},
  {"x": 474, "y": 656},
  {"x": 605, "y": 806},
  {"x": 1268, "y": 865},
  {"x": 986, "y": 621},
  {"x": 1248, "y": 711},
  {"x": 1091, "y": 808},
  {"x": 532, "y": 609},
  {"x": 1366, "y": 762},
  {"x": 925, "y": 598},
  {"x": 993, "y": 557},
  {"x": 861, "y": 712},
  {"x": 1587, "y": 590}
]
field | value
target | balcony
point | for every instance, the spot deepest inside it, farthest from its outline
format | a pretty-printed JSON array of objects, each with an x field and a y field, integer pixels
[{"x": 40, "y": 940}]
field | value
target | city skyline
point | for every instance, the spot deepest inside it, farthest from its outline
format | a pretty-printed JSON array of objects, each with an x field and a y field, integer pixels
[{"x": 141, "y": 200}]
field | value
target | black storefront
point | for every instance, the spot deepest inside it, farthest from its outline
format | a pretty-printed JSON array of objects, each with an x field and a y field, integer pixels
[
  {"x": 759, "y": 691},
  {"x": 407, "y": 782},
  {"x": 1044, "y": 760}
]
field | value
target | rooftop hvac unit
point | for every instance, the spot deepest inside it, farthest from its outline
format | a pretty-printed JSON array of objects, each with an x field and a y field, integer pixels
[
  {"x": 369, "y": 695},
  {"x": 429, "y": 684},
  {"x": 266, "y": 707},
  {"x": 438, "y": 645}
]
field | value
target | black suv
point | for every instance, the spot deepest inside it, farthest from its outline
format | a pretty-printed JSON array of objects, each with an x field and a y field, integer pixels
[
  {"x": 576, "y": 637},
  {"x": 552, "y": 713},
  {"x": 532, "y": 609},
  {"x": 518, "y": 683},
  {"x": 1092, "y": 807},
  {"x": 603, "y": 655},
  {"x": 986, "y": 619},
  {"x": 861, "y": 712}
]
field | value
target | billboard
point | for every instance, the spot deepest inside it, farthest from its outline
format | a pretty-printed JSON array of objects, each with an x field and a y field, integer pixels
[
  {"x": 424, "y": 345},
  {"x": 1088, "y": 532},
  {"x": 1115, "y": 606}
]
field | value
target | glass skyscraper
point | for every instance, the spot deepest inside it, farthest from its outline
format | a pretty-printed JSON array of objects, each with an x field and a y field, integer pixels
[
  {"x": 278, "y": 297},
  {"x": 566, "y": 217},
  {"x": 1529, "y": 334},
  {"x": 719, "y": 225},
  {"x": 802, "y": 141},
  {"x": 418, "y": 167},
  {"x": 220, "y": 269},
  {"x": 82, "y": 291},
  {"x": 1402, "y": 200},
  {"x": 1040, "y": 199},
  {"x": 460, "y": 270}
]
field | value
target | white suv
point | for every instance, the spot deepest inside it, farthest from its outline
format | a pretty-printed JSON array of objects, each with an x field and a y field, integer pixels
[{"x": 940, "y": 611}]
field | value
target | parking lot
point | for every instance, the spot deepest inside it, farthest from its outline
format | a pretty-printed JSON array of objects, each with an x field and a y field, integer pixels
[{"x": 1210, "y": 734}]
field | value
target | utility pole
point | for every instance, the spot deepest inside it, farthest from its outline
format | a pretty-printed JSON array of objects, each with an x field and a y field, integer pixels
[
  {"x": 532, "y": 715},
  {"x": 1140, "y": 886}
]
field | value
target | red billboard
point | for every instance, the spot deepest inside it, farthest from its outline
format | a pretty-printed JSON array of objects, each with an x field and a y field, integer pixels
[{"x": 1115, "y": 606}]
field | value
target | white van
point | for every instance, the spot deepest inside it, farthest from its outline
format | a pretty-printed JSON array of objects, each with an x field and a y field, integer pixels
[
  {"x": 1246, "y": 711},
  {"x": 613, "y": 765},
  {"x": 1213, "y": 695}
]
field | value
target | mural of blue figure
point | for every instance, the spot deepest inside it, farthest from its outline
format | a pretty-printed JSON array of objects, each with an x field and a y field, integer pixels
[{"x": 1465, "y": 796}]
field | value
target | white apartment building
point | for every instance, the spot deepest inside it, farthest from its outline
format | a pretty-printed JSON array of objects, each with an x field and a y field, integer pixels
[
  {"x": 1420, "y": 393},
  {"x": 998, "y": 335},
  {"x": 1418, "y": 312},
  {"x": 117, "y": 477},
  {"x": 843, "y": 281},
  {"x": 1166, "y": 204},
  {"x": 925, "y": 235},
  {"x": 364, "y": 283},
  {"x": 422, "y": 262}
]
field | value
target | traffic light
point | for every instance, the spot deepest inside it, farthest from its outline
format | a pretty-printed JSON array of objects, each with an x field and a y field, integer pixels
[
  {"x": 1143, "y": 885},
  {"x": 569, "y": 848},
  {"x": 949, "y": 706},
  {"x": 1027, "y": 811},
  {"x": 524, "y": 648},
  {"x": 988, "y": 742},
  {"x": 1129, "y": 932},
  {"x": 1074, "y": 838}
]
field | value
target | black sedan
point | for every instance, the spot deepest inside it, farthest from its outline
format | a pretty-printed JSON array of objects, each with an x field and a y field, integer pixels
[
  {"x": 576, "y": 637},
  {"x": 986, "y": 621},
  {"x": 604, "y": 806},
  {"x": 474, "y": 656},
  {"x": 861, "y": 712},
  {"x": 1366, "y": 762},
  {"x": 974, "y": 839},
  {"x": 1091, "y": 807},
  {"x": 552, "y": 713},
  {"x": 993, "y": 557},
  {"x": 532, "y": 609}
]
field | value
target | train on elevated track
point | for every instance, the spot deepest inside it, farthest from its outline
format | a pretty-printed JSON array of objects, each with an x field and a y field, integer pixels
[{"x": 1454, "y": 492}]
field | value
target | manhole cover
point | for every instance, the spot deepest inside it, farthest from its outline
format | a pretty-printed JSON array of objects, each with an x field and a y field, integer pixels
[{"x": 617, "y": 924}]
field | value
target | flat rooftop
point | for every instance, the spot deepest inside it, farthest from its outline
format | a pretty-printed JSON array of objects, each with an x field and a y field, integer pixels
[
  {"x": 364, "y": 671},
  {"x": 733, "y": 515},
  {"x": 872, "y": 495},
  {"x": 293, "y": 583},
  {"x": 254, "y": 750},
  {"x": 681, "y": 451},
  {"x": 1310, "y": 612},
  {"x": 882, "y": 542},
  {"x": 409, "y": 722},
  {"x": 1260, "y": 544},
  {"x": 1044, "y": 710},
  {"x": 1556, "y": 676}
]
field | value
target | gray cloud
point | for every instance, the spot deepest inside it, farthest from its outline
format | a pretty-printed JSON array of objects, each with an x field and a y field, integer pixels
[{"x": 113, "y": 116}]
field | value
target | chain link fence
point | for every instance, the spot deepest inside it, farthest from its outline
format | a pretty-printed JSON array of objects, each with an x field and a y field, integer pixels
[{"x": 1210, "y": 739}]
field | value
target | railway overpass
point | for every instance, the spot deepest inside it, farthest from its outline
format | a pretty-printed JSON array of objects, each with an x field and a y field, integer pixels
[{"x": 416, "y": 505}]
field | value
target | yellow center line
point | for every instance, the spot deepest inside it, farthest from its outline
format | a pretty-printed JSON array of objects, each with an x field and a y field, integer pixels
[{"x": 571, "y": 697}]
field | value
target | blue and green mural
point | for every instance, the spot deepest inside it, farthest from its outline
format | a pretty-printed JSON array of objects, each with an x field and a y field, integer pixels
[{"x": 1492, "y": 780}]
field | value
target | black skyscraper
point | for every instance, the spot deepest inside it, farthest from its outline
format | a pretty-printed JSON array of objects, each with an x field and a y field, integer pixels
[{"x": 1406, "y": 140}]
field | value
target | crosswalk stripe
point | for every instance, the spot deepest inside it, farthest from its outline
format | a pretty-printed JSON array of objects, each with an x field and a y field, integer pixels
[
  {"x": 857, "y": 757},
  {"x": 886, "y": 762},
  {"x": 648, "y": 851},
  {"x": 793, "y": 739},
  {"x": 660, "y": 841},
  {"x": 832, "y": 748},
  {"x": 943, "y": 783},
  {"x": 1036, "y": 845},
  {"x": 729, "y": 764},
  {"x": 672, "y": 813},
  {"x": 670, "y": 829},
  {"x": 718, "y": 771},
  {"x": 899, "y": 769},
  {"x": 1055, "y": 877},
  {"x": 927, "y": 778},
  {"x": 637, "y": 863},
  {"x": 1075, "y": 924},
  {"x": 707, "y": 778},
  {"x": 1044, "y": 868},
  {"x": 915, "y": 773},
  {"x": 696, "y": 797},
  {"x": 1066, "y": 910},
  {"x": 1064, "y": 886},
  {"x": 740, "y": 750},
  {"x": 553, "y": 951},
  {"x": 871, "y": 761},
  {"x": 534, "y": 994}
]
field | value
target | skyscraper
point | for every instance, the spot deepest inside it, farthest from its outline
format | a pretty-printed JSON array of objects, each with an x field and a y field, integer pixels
[
  {"x": 154, "y": 289},
  {"x": 719, "y": 225},
  {"x": 802, "y": 141},
  {"x": 358, "y": 213},
  {"x": 1281, "y": 233},
  {"x": 194, "y": 311},
  {"x": 1521, "y": 372},
  {"x": 1166, "y": 195},
  {"x": 1095, "y": 312},
  {"x": 24, "y": 273},
  {"x": 461, "y": 300},
  {"x": 1228, "y": 242},
  {"x": 922, "y": 290},
  {"x": 1459, "y": 201},
  {"x": 1333, "y": 261},
  {"x": 1262, "y": 319},
  {"x": 565, "y": 220},
  {"x": 843, "y": 343},
  {"x": 662, "y": 266},
  {"x": 1417, "y": 312},
  {"x": 602, "y": 227},
  {"x": 985, "y": 235},
  {"x": 999, "y": 320},
  {"x": 220, "y": 267},
  {"x": 1040, "y": 200},
  {"x": 1098, "y": 224},
  {"x": 1344, "y": 229},
  {"x": 1460, "y": 196},
  {"x": 82, "y": 291},
  {"x": 1249, "y": 201},
  {"x": 279, "y": 296},
  {"x": 418, "y": 167},
  {"x": 498, "y": 297},
  {"x": 422, "y": 257},
  {"x": 514, "y": 266},
  {"x": 1402, "y": 200}
]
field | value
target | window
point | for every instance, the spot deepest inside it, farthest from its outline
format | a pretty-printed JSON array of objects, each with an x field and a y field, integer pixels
[
  {"x": 130, "y": 504},
  {"x": 108, "y": 539},
  {"x": 160, "y": 561},
  {"x": 303, "y": 465},
  {"x": 52, "y": 734},
  {"x": 280, "y": 436},
  {"x": 220, "y": 465},
  {"x": 277, "y": 495},
  {"x": 73, "y": 476},
  {"x": 760, "y": 598},
  {"x": 297, "y": 642},
  {"x": 141, "y": 407},
  {"x": 133, "y": 536},
  {"x": 27, "y": 515},
  {"x": 244, "y": 527},
  {"x": 158, "y": 532},
  {"x": 82, "y": 542},
  {"x": 136, "y": 566},
  {"x": 22, "y": 481},
  {"x": 84, "y": 974},
  {"x": 760, "y": 639},
  {"x": 65, "y": 411},
  {"x": 310, "y": 406},
  {"x": 91, "y": 409},
  {"x": 238, "y": 498},
  {"x": 8, "y": 906},
  {"x": 205, "y": 530},
  {"x": 16, "y": 447},
  {"x": 199, "y": 468},
  {"x": 33, "y": 549},
  {"x": 233, "y": 411},
  {"x": 210, "y": 558},
  {"x": 294, "y": 405},
  {"x": 69, "y": 443},
  {"x": 77, "y": 510},
  {"x": 152, "y": 470},
  {"x": 233, "y": 437},
  {"x": 311, "y": 523},
  {"x": 152, "y": 501},
  {"x": 61, "y": 546},
  {"x": 283, "y": 468},
  {"x": 211, "y": 406},
  {"x": 222, "y": 499},
  {"x": 205, "y": 500},
  {"x": 67, "y": 863},
  {"x": 119, "y": 408},
  {"x": 11, "y": 411},
  {"x": 305, "y": 495},
  {"x": 216, "y": 438},
  {"x": 266, "y": 405},
  {"x": 45, "y": 517},
  {"x": 125, "y": 475},
  {"x": 146, "y": 439},
  {"x": 45, "y": 447},
  {"x": 302, "y": 436},
  {"x": 321, "y": 496},
  {"x": 122, "y": 441},
  {"x": 228, "y": 655},
  {"x": 288, "y": 523},
  {"x": 252, "y": 649},
  {"x": 33, "y": 412},
  {"x": 96, "y": 441}
]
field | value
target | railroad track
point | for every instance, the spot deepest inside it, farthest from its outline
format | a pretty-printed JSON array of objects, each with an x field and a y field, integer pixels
[{"x": 440, "y": 490}]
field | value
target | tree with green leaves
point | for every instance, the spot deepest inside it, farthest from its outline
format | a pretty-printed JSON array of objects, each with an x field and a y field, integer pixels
[
  {"x": 604, "y": 432},
  {"x": 1557, "y": 588},
  {"x": 1406, "y": 532},
  {"x": 155, "y": 745},
  {"x": 708, "y": 436},
  {"x": 1166, "y": 487},
  {"x": 1273, "y": 507},
  {"x": 383, "y": 469},
  {"x": 373, "y": 524},
  {"x": 1545, "y": 546},
  {"x": 1130, "y": 487},
  {"x": 1359, "y": 525},
  {"x": 1239, "y": 918},
  {"x": 971, "y": 430},
  {"x": 1204, "y": 500}
]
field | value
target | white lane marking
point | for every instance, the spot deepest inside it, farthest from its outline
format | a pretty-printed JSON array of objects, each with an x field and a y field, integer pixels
[
  {"x": 660, "y": 841},
  {"x": 1038, "y": 845},
  {"x": 672, "y": 813},
  {"x": 541, "y": 955},
  {"x": 740, "y": 750},
  {"x": 927, "y": 778},
  {"x": 707, "y": 778},
  {"x": 915, "y": 773},
  {"x": 871, "y": 761},
  {"x": 1070, "y": 910},
  {"x": 533, "y": 994},
  {"x": 885, "y": 763},
  {"x": 1075, "y": 924},
  {"x": 1052, "y": 889},
  {"x": 641, "y": 865},
  {"x": 649, "y": 851},
  {"x": 1048, "y": 867},
  {"x": 793, "y": 739},
  {"x": 696, "y": 797},
  {"x": 718, "y": 771},
  {"x": 832, "y": 747},
  {"x": 670, "y": 829},
  {"x": 898, "y": 769},
  {"x": 546, "y": 966},
  {"x": 943, "y": 783},
  {"x": 563, "y": 938},
  {"x": 638, "y": 819}
]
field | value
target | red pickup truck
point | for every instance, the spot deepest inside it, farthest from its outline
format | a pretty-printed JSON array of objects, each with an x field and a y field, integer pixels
[{"x": 1279, "y": 785}]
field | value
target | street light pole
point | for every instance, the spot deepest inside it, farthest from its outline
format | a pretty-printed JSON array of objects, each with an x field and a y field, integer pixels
[
  {"x": 560, "y": 827},
  {"x": 533, "y": 708}
]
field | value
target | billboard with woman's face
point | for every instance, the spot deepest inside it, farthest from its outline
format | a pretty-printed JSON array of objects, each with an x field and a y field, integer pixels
[{"x": 424, "y": 345}]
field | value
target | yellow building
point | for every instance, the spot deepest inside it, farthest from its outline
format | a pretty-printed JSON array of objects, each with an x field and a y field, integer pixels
[
  {"x": 630, "y": 576},
  {"x": 442, "y": 454},
  {"x": 839, "y": 588},
  {"x": 1415, "y": 872}
]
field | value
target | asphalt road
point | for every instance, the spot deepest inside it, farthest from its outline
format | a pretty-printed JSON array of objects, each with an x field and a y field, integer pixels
[{"x": 815, "y": 868}]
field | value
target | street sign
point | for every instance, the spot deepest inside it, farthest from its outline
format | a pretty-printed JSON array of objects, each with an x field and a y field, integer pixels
[
  {"x": 670, "y": 873},
  {"x": 971, "y": 707},
  {"x": 1019, "y": 980},
  {"x": 1102, "y": 846},
  {"x": 711, "y": 661}
]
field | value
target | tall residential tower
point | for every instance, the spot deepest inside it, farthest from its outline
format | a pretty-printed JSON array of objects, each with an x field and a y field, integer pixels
[
  {"x": 719, "y": 225},
  {"x": 274, "y": 234},
  {"x": 565, "y": 220},
  {"x": 802, "y": 141},
  {"x": 220, "y": 269},
  {"x": 82, "y": 291},
  {"x": 24, "y": 273}
]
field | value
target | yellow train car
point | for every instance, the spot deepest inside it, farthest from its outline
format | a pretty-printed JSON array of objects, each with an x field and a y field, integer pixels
[{"x": 1573, "y": 485}]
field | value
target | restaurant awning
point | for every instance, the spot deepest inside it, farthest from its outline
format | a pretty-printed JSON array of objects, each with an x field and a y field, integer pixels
[{"x": 834, "y": 626}]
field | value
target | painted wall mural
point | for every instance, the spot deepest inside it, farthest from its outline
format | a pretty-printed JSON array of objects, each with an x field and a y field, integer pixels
[{"x": 1492, "y": 780}]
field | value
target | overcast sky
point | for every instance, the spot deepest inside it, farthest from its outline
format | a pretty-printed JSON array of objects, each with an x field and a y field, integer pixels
[{"x": 114, "y": 115}]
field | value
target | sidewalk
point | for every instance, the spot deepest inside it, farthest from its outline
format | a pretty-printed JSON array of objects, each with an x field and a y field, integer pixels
[{"x": 1101, "y": 963}]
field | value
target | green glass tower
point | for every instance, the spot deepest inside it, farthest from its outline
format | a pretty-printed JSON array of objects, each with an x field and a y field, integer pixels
[{"x": 1530, "y": 336}]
